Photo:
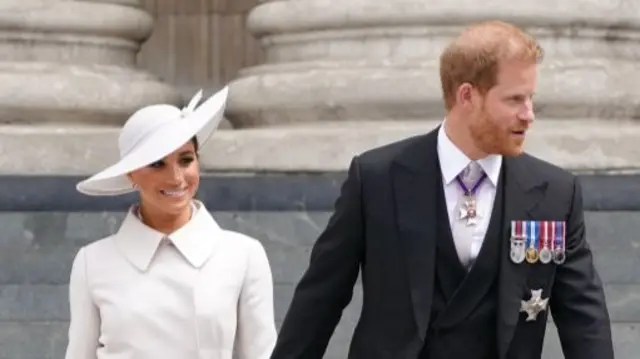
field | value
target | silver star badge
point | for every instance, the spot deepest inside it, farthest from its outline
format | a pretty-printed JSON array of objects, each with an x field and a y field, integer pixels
[
  {"x": 534, "y": 305},
  {"x": 467, "y": 211}
]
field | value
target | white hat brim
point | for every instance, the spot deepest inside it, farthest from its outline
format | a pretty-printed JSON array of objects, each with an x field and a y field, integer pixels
[{"x": 201, "y": 124}]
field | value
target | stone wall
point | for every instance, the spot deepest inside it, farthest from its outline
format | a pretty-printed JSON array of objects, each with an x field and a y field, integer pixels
[
  {"x": 44, "y": 222},
  {"x": 199, "y": 43}
]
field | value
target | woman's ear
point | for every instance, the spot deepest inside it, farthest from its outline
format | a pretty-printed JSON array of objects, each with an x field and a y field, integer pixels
[{"x": 133, "y": 184}]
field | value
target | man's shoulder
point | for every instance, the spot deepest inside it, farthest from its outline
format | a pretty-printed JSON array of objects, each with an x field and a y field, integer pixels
[
  {"x": 381, "y": 158},
  {"x": 547, "y": 171}
]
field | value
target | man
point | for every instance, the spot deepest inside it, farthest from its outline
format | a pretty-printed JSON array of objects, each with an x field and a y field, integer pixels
[{"x": 465, "y": 244}]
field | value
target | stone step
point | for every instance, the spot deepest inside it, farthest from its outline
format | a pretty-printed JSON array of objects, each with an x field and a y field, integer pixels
[{"x": 607, "y": 146}]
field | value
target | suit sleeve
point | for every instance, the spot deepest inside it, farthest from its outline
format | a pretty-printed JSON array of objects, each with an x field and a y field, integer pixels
[
  {"x": 326, "y": 287},
  {"x": 84, "y": 325},
  {"x": 578, "y": 302},
  {"x": 256, "y": 323}
]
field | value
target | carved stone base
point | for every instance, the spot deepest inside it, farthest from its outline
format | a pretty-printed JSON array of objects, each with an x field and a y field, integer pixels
[
  {"x": 377, "y": 60},
  {"x": 51, "y": 94},
  {"x": 74, "y": 62}
]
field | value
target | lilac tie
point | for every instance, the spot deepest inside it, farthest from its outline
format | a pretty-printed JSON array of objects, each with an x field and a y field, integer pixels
[{"x": 471, "y": 177}]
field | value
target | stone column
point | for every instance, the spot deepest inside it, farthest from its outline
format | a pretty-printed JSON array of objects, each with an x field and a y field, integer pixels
[
  {"x": 376, "y": 60},
  {"x": 341, "y": 77},
  {"x": 67, "y": 63}
]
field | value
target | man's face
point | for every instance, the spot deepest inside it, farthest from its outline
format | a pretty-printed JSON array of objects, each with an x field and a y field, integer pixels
[{"x": 502, "y": 116}]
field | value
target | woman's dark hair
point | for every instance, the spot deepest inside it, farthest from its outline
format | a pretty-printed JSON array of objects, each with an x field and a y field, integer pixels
[{"x": 194, "y": 140}]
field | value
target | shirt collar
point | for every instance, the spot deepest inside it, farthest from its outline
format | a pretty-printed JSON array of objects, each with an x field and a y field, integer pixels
[
  {"x": 453, "y": 161},
  {"x": 196, "y": 240}
]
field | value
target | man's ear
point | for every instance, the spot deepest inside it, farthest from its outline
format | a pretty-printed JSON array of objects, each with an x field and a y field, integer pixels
[{"x": 464, "y": 95}]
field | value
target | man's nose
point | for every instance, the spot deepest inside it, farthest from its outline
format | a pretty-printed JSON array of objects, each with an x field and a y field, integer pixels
[{"x": 528, "y": 113}]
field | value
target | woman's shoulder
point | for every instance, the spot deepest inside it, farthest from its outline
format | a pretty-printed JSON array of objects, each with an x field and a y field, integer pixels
[
  {"x": 239, "y": 239},
  {"x": 100, "y": 247},
  {"x": 243, "y": 242},
  {"x": 251, "y": 250},
  {"x": 95, "y": 257}
]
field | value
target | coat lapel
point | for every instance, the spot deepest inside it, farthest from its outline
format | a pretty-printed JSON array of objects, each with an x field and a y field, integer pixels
[
  {"x": 416, "y": 180},
  {"x": 523, "y": 193}
]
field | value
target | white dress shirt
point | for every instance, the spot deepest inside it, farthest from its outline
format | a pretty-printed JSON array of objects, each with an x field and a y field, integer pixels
[
  {"x": 192, "y": 295},
  {"x": 452, "y": 163}
]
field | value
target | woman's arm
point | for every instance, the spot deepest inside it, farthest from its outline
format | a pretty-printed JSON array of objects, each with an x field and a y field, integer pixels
[
  {"x": 84, "y": 326},
  {"x": 256, "y": 323}
]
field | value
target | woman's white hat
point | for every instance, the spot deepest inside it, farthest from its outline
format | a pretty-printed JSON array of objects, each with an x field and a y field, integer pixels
[{"x": 151, "y": 134}]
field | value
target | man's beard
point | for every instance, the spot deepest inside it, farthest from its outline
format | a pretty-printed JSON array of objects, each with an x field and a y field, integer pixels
[{"x": 490, "y": 138}]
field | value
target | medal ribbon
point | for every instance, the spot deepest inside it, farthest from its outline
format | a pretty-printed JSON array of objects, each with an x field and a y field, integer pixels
[
  {"x": 517, "y": 230},
  {"x": 474, "y": 188},
  {"x": 533, "y": 231},
  {"x": 559, "y": 236},
  {"x": 552, "y": 235},
  {"x": 544, "y": 235}
]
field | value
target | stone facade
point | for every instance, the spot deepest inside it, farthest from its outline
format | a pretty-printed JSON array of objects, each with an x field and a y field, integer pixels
[
  {"x": 33, "y": 289},
  {"x": 331, "y": 80},
  {"x": 45, "y": 221}
]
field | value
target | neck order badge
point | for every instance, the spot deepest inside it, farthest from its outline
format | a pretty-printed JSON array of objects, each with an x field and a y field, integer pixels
[{"x": 468, "y": 207}]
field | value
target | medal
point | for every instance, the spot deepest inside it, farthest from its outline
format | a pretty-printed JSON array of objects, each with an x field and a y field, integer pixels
[
  {"x": 468, "y": 208},
  {"x": 468, "y": 211},
  {"x": 517, "y": 240},
  {"x": 532, "y": 241},
  {"x": 534, "y": 305},
  {"x": 545, "y": 256},
  {"x": 545, "y": 242},
  {"x": 532, "y": 255},
  {"x": 517, "y": 250},
  {"x": 559, "y": 255}
]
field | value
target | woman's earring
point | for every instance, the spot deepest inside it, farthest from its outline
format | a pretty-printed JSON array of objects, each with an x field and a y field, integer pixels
[{"x": 135, "y": 186}]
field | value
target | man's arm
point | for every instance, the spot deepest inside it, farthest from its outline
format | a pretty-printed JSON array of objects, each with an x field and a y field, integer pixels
[
  {"x": 326, "y": 288},
  {"x": 577, "y": 301}
]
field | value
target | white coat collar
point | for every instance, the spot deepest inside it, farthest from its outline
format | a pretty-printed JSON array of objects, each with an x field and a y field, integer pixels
[{"x": 196, "y": 240}]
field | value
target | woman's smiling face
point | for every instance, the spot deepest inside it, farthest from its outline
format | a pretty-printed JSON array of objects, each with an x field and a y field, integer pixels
[{"x": 167, "y": 186}]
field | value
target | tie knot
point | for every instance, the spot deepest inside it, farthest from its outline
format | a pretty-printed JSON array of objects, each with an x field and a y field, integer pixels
[{"x": 472, "y": 172}]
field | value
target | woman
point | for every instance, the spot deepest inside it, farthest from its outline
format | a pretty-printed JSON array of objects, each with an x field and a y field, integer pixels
[{"x": 170, "y": 283}]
